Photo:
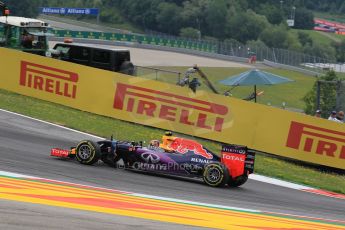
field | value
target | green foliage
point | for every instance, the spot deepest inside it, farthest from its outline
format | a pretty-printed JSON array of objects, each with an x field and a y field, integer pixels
[
  {"x": 168, "y": 18},
  {"x": 340, "y": 50},
  {"x": 304, "y": 19},
  {"x": 327, "y": 96},
  {"x": 23, "y": 8},
  {"x": 216, "y": 18},
  {"x": 275, "y": 36},
  {"x": 189, "y": 32},
  {"x": 254, "y": 25},
  {"x": 257, "y": 44},
  {"x": 272, "y": 12},
  {"x": 193, "y": 14},
  {"x": 320, "y": 50},
  {"x": 304, "y": 38},
  {"x": 240, "y": 20},
  {"x": 292, "y": 42}
]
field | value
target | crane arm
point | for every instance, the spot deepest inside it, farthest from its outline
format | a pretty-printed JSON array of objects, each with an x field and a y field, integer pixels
[{"x": 206, "y": 80}]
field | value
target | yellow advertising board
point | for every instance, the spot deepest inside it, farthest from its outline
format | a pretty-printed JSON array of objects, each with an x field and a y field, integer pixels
[{"x": 171, "y": 107}]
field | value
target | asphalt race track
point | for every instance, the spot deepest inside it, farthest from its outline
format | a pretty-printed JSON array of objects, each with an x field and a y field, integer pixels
[
  {"x": 159, "y": 58},
  {"x": 24, "y": 148}
]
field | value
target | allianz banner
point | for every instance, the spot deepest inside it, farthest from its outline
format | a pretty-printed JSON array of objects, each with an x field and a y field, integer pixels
[{"x": 171, "y": 107}]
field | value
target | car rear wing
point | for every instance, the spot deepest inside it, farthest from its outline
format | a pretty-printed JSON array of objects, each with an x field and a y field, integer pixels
[{"x": 238, "y": 159}]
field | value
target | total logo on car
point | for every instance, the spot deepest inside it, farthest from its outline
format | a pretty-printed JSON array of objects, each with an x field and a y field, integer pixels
[{"x": 174, "y": 156}]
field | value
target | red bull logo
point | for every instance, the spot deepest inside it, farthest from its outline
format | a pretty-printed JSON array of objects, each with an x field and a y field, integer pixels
[
  {"x": 182, "y": 146},
  {"x": 48, "y": 79}
]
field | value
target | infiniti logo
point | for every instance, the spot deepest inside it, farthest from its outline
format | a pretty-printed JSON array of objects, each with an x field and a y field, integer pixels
[{"x": 150, "y": 158}]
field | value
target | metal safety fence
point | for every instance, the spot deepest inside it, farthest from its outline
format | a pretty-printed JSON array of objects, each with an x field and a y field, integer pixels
[
  {"x": 158, "y": 74},
  {"x": 231, "y": 49}
]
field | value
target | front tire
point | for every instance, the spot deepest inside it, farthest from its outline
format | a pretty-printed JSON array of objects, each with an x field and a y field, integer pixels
[
  {"x": 215, "y": 175},
  {"x": 87, "y": 152}
]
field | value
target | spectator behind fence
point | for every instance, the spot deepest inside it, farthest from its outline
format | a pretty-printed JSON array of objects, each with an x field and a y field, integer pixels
[
  {"x": 318, "y": 113},
  {"x": 333, "y": 116},
  {"x": 340, "y": 116}
]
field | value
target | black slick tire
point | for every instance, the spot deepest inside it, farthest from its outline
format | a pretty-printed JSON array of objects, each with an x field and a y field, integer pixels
[
  {"x": 87, "y": 152},
  {"x": 238, "y": 181},
  {"x": 215, "y": 175}
]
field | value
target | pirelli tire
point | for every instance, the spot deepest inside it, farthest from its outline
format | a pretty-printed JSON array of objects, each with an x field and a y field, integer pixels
[
  {"x": 87, "y": 152},
  {"x": 238, "y": 181},
  {"x": 215, "y": 175}
]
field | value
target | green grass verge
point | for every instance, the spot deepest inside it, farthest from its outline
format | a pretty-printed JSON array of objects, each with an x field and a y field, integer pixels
[
  {"x": 330, "y": 16},
  {"x": 104, "y": 126},
  {"x": 290, "y": 93},
  {"x": 322, "y": 38}
]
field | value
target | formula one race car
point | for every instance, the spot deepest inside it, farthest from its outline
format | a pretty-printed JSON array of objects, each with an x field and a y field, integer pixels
[{"x": 174, "y": 156}]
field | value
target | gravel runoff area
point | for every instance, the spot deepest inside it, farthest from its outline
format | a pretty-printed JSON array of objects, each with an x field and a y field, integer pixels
[{"x": 147, "y": 57}]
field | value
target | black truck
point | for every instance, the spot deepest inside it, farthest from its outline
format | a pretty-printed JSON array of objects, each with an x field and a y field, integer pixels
[{"x": 112, "y": 59}]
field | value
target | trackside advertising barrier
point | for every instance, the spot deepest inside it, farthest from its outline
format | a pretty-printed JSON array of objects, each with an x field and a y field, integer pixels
[
  {"x": 170, "y": 107},
  {"x": 143, "y": 39}
]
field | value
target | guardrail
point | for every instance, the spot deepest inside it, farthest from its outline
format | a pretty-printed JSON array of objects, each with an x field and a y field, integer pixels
[
  {"x": 294, "y": 68},
  {"x": 141, "y": 39},
  {"x": 221, "y": 50}
]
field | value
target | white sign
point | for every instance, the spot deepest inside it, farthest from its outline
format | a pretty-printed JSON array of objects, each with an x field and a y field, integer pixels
[{"x": 290, "y": 22}]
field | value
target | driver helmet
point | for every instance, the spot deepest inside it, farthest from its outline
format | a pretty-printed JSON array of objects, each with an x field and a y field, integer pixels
[
  {"x": 167, "y": 139},
  {"x": 154, "y": 143}
]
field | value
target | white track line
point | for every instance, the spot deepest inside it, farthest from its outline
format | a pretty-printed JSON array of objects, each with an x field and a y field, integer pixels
[
  {"x": 17, "y": 175},
  {"x": 255, "y": 177},
  {"x": 52, "y": 124},
  {"x": 188, "y": 202},
  {"x": 277, "y": 182}
]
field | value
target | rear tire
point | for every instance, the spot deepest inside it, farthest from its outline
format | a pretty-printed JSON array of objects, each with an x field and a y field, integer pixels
[
  {"x": 238, "y": 181},
  {"x": 87, "y": 152},
  {"x": 215, "y": 175}
]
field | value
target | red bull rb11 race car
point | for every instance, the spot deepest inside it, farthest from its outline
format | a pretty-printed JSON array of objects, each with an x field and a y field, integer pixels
[{"x": 173, "y": 156}]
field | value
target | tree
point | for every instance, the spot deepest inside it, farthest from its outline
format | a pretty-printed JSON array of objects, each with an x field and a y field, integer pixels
[
  {"x": 258, "y": 44},
  {"x": 304, "y": 19},
  {"x": 327, "y": 96},
  {"x": 169, "y": 17},
  {"x": 246, "y": 26},
  {"x": 340, "y": 50},
  {"x": 275, "y": 36},
  {"x": 324, "y": 51},
  {"x": 142, "y": 13},
  {"x": 292, "y": 43},
  {"x": 193, "y": 14},
  {"x": 216, "y": 18},
  {"x": 304, "y": 38},
  {"x": 273, "y": 13},
  {"x": 190, "y": 32}
]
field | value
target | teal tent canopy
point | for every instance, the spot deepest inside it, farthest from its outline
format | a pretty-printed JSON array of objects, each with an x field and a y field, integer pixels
[{"x": 254, "y": 77}]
